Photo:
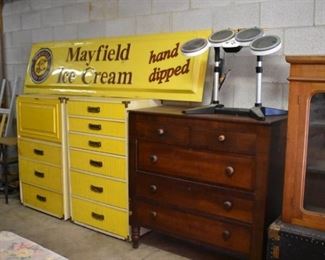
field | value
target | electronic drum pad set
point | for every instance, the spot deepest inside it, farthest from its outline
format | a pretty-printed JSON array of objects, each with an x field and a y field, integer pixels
[{"x": 232, "y": 41}]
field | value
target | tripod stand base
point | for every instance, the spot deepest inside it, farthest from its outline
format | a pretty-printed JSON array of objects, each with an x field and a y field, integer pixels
[{"x": 256, "y": 112}]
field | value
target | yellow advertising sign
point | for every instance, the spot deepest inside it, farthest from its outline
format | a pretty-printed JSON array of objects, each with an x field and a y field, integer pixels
[{"x": 149, "y": 66}]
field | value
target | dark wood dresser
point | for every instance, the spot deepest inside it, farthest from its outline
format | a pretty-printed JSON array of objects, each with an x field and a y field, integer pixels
[{"x": 211, "y": 179}]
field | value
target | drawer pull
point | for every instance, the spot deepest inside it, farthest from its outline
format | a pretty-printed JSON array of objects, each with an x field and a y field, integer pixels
[
  {"x": 221, "y": 138},
  {"x": 41, "y": 198},
  {"x": 153, "y": 188},
  {"x": 96, "y": 189},
  {"x": 153, "y": 214},
  {"x": 93, "y": 109},
  {"x": 227, "y": 205},
  {"x": 39, "y": 174},
  {"x": 161, "y": 131},
  {"x": 96, "y": 216},
  {"x": 96, "y": 127},
  {"x": 94, "y": 144},
  {"x": 226, "y": 235},
  {"x": 153, "y": 158},
  {"x": 229, "y": 171},
  {"x": 97, "y": 164},
  {"x": 38, "y": 152}
]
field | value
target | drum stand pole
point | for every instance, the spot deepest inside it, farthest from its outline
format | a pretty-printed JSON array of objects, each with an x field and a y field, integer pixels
[{"x": 214, "y": 105}]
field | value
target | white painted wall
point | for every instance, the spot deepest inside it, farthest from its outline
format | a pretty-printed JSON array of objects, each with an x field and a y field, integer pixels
[{"x": 300, "y": 24}]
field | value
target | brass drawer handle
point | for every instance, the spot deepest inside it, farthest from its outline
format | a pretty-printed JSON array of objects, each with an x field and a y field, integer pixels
[
  {"x": 221, "y": 138},
  {"x": 38, "y": 152},
  {"x": 229, "y": 171},
  {"x": 41, "y": 198},
  {"x": 153, "y": 214},
  {"x": 96, "y": 127},
  {"x": 153, "y": 158},
  {"x": 153, "y": 188},
  {"x": 226, "y": 235},
  {"x": 97, "y": 216},
  {"x": 96, "y": 189},
  {"x": 227, "y": 205},
  {"x": 39, "y": 174},
  {"x": 93, "y": 109},
  {"x": 94, "y": 163},
  {"x": 160, "y": 131},
  {"x": 94, "y": 144}
]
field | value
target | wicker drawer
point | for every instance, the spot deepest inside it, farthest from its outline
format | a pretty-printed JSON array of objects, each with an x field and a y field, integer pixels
[
  {"x": 196, "y": 197},
  {"x": 100, "y": 189},
  {"x": 39, "y": 174},
  {"x": 31, "y": 110},
  {"x": 226, "y": 235},
  {"x": 108, "y": 165},
  {"x": 163, "y": 130},
  {"x": 105, "y": 218},
  {"x": 234, "y": 171},
  {"x": 44, "y": 200},
  {"x": 97, "y": 109},
  {"x": 100, "y": 127},
  {"x": 98, "y": 143},
  {"x": 40, "y": 151}
]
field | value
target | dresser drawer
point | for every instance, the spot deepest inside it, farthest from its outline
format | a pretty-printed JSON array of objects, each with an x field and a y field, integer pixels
[
  {"x": 100, "y": 189},
  {"x": 38, "y": 174},
  {"x": 40, "y": 151},
  {"x": 100, "y": 127},
  {"x": 112, "y": 166},
  {"x": 161, "y": 129},
  {"x": 98, "y": 144},
  {"x": 97, "y": 109},
  {"x": 224, "y": 140},
  {"x": 44, "y": 200},
  {"x": 225, "y": 235},
  {"x": 101, "y": 217},
  {"x": 234, "y": 171},
  {"x": 39, "y": 118},
  {"x": 195, "y": 197}
]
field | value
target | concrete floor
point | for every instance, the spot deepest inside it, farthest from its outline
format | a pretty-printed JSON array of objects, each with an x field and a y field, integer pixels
[{"x": 78, "y": 243}]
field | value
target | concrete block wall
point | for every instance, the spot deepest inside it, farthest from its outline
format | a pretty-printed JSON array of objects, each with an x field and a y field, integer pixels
[{"x": 299, "y": 23}]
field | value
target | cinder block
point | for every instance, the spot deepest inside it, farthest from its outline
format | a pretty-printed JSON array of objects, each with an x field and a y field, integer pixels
[
  {"x": 192, "y": 20},
  {"x": 102, "y": 10},
  {"x": 91, "y": 30},
  {"x": 164, "y": 6},
  {"x": 11, "y": 23},
  {"x": 134, "y": 7},
  {"x": 56, "y": 3},
  {"x": 76, "y": 13},
  {"x": 209, "y": 3},
  {"x": 158, "y": 23},
  {"x": 275, "y": 69},
  {"x": 40, "y": 4},
  {"x": 7, "y": 40},
  {"x": 304, "y": 41},
  {"x": 52, "y": 17},
  {"x": 18, "y": 7},
  {"x": 123, "y": 26},
  {"x": 13, "y": 55},
  {"x": 320, "y": 12},
  {"x": 272, "y": 94},
  {"x": 42, "y": 35},
  {"x": 31, "y": 20},
  {"x": 21, "y": 38},
  {"x": 236, "y": 16},
  {"x": 275, "y": 14},
  {"x": 65, "y": 32}
]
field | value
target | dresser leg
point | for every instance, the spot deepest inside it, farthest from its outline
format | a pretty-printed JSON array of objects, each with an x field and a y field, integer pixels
[{"x": 135, "y": 236}]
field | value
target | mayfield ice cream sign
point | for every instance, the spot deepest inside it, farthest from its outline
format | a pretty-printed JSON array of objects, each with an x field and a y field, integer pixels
[{"x": 150, "y": 66}]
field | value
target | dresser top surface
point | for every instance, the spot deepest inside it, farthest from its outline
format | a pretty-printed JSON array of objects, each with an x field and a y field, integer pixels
[{"x": 177, "y": 111}]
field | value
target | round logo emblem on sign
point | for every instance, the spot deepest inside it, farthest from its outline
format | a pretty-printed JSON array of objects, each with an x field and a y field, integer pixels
[{"x": 41, "y": 65}]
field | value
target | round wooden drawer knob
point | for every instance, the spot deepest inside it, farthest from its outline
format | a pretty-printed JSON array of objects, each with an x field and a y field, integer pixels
[
  {"x": 153, "y": 214},
  {"x": 153, "y": 188},
  {"x": 153, "y": 158},
  {"x": 229, "y": 171},
  {"x": 227, "y": 205},
  {"x": 226, "y": 234},
  {"x": 161, "y": 131},
  {"x": 221, "y": 138}
]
